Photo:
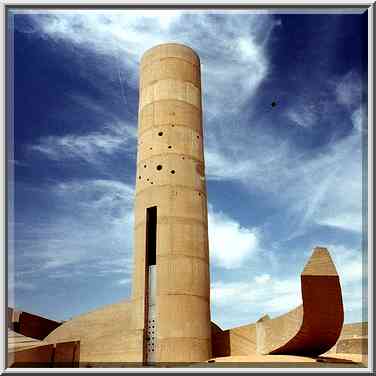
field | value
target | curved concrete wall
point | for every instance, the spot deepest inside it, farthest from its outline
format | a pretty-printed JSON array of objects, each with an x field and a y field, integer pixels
[
  {"x": 314, "y": 327},
  {"x": 170, "y": 136},
  {"x": 105, "y": 334}
]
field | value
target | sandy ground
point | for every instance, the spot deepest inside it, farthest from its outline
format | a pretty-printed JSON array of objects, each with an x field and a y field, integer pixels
[{"x": 257, "y": 360}]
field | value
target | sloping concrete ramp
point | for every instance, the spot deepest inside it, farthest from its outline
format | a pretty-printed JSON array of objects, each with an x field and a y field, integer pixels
[{"x": 315, "y": 326}]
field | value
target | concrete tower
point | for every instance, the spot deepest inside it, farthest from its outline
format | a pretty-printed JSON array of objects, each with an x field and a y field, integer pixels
[{"x": 171, "y": 287}]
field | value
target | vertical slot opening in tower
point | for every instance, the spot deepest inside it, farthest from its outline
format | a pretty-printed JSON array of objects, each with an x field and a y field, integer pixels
[
  {"x": 151, "y": 234},
  {"x": 150, "y": 286}
]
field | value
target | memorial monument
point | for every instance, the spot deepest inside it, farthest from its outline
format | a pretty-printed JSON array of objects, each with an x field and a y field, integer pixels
[{"x": 167, "y": 320}]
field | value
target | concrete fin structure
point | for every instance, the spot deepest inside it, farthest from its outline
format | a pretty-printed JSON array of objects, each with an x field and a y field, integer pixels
[{"x": 314, "y": 327}]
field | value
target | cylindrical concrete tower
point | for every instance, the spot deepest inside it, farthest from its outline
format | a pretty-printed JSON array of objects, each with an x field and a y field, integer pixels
[{"x": 171, "y": 287}]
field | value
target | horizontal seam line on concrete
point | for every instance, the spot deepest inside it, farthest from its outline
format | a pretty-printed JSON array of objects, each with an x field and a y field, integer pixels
[
  {"x": 170, "y": 79},
  {"x": 187, "y": 188},
  {"x": 204, "y": 223},
  {"x": 144, "y": 130},
  {"x": 142, "y": 106},
  {"x": 175, "y": 338},
  {"x": 178, "y": 255},
  {"x": 171, "y": 100},
  {"x": 184, "y": 294},
  {"x": 151, "y": 83},
  {"x": 158, "y": 60},
  {"x": 141, "y": 161},
  {"x": 206, "y": 299}
]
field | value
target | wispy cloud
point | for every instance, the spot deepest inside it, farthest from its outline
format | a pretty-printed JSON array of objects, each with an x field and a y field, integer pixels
[
  {"x": 92, "y": 231},
  {"x": 325, "y": 187},
  {"x": 349, "y": 89},
  {"x": 21, "y": 285},
  {"x": 359, "y": 119},
  {"x": 305, "y": 117},
  {"x": 234, "y": 52},
  {"x": 89, "y": 147},
  {"x": 349, "y": 263}
]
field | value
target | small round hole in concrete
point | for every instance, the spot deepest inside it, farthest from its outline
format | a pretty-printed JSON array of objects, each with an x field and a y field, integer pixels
[
  {"x": 159, "y": 167},
  {"x": 160, "y": 133},
  {"x": 274, "y": 104},
  {"x": 139, "y": 177},
  {"x": 169, "y": 146},
  {"x": 172, "y": 171},
  {"x": 144, "y": 165},
  {"x": 147, "y": 179}
]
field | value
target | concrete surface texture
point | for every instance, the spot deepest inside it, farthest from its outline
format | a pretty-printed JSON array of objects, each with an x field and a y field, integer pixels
[
  {"x": 106, "y": 334},
  {"x": 314, "y": 327},
  {"x": 353, "y": 339},
  {"x": 26, "y": 351},
  {"x": 170, "y": 177},
  {"x": 17, "y": 341},
  {"x": 235, "y": 341}
]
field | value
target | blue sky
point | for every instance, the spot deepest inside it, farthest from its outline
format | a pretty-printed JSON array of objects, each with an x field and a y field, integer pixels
[{"x": 280, "y": 180}]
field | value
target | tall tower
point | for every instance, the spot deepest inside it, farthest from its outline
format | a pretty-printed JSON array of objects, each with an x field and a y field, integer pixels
[{"x": 171, "y": 286}]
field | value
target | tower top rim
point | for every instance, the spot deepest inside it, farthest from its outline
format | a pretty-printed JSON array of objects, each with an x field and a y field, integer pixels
[{"x": 166, "y": 45}]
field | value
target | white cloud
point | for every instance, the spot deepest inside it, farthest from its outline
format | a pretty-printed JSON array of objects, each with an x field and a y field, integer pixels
[
  {"x": 341, "y": 172},
  {"x": 88, "y": 147},
  {"x": 230, "y": 244},
  {"x": 234, "y": 63},
  {"x": 348, "y": 261},
  {"x": 263, "y": 278},
  {"x": 245, "y": 302},
  {"x": 124, "y": 281},
  {"x": 218, "y": 166},
  {"x": 345, "y": 220},
  {"x": 233, "y": 56}
]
